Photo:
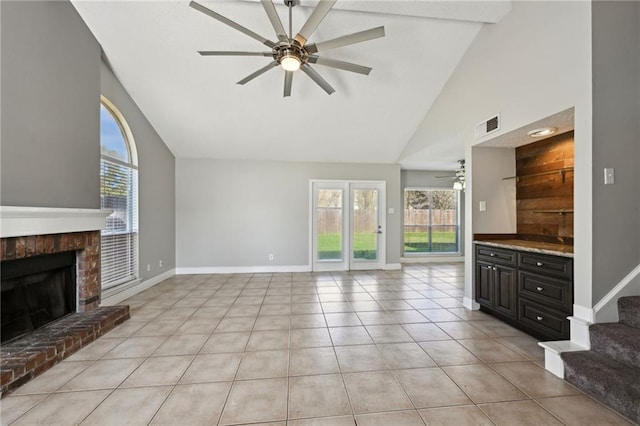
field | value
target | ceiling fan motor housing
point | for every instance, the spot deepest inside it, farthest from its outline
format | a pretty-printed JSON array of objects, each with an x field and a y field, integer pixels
[{"x": 282, "y": 50}]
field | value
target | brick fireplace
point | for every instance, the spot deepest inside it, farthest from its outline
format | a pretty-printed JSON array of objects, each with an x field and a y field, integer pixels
[
  {"x": 29, "y": 232},
  {"x": 87, "y": 247}
]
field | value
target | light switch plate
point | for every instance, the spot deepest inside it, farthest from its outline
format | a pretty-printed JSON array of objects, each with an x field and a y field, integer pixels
[
  {"x": 483, "y": 206},
  {"x": 392, "y": 210},
  {"x": 609, "y": 176}
]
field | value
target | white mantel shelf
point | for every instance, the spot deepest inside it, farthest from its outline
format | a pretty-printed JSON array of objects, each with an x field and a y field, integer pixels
[{"x": 23, "y": 221}]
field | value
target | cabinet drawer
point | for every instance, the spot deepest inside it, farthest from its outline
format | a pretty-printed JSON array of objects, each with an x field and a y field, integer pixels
[
  {"x": 496, "y": 255},
  {"x": 545, "y": 321},
  {"x": 552, "y": 292},
  {"x": 561, "y": 267}
]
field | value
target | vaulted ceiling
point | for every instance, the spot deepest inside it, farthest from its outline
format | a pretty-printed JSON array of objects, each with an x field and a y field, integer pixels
[{"x": 196, "y": 106}]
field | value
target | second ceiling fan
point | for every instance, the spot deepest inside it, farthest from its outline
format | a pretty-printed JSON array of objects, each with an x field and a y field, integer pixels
[{"x": 293, "y": 53}]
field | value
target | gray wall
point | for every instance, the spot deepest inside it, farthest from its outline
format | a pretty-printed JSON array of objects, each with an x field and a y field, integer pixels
[
  {"x": 156, "y": 183},
  {"x": 52, "y": 79},
  {"x": 50, "y": 131},
  {"x": 429, "y": 179},
  {"x": 616, "y": 142},
  {"x": 234, "y": 213}
]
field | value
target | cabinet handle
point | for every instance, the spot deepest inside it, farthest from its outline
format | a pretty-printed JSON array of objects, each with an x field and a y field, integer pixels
[
  {"x": 539, "y": 318},
  {"x": 539, "y": 263},
  {"x": 540, "y": 288},
  {"x": 492, "y": 254},
  {"x": 495, "y": 269}
]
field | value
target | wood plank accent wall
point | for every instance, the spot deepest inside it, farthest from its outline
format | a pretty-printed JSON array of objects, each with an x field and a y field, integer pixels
[{"x": 544, "y": 189}]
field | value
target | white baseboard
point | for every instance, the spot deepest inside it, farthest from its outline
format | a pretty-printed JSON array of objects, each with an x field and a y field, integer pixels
[
  {"x": 392, "y": 266},
  {"x": 606, "y": 310},
  {"x": 470, "y": 304},
  {"x": 583, "y": 313},
  {"x": 114, "y": 297},
  {"x": 579, "y": 331},
  {"x": 240, "y": 269},
  {"x": 432, "y": 259}
]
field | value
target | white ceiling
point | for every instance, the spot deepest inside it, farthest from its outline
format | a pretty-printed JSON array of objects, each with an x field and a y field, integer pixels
[{"x": 199, "y": 111}]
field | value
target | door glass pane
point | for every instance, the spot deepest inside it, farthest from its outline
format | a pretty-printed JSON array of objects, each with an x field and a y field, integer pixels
[
  {"x": 365, "y": 224},
  {"x": 329, "y": 225}
]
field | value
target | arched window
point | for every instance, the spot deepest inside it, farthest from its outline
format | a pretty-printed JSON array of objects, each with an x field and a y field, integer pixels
[{"x": 118, "y": 192}]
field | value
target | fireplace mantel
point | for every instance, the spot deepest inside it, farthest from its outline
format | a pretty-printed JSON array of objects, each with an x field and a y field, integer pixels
[{"x": 24, "y": 221}]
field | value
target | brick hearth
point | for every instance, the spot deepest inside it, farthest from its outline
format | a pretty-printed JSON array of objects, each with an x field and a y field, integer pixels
[{"x": 30, "y": 356}]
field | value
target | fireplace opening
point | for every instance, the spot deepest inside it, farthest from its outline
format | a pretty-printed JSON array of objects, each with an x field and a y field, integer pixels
[{"x": 36, "y": 291}]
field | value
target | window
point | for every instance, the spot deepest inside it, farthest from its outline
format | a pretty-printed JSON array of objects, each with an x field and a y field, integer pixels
[
  {"x": 118, "y": 192},
  {"x": 431, "y": 221}
]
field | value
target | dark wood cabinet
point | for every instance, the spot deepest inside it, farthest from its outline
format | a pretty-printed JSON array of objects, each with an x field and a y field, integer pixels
[
  {"x": 496, "y": 287},
  {"x": 531, "y": 291},
  {"x": 505, "y": 290}
]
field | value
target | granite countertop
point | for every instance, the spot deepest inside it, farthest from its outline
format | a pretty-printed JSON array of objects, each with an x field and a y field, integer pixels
[{"x": 531, "y": 246}]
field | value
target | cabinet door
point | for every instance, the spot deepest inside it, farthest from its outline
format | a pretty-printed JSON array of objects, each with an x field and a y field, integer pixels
[
  {"x": 484, "y": 283},
  {"x": 505, "y": 300}
]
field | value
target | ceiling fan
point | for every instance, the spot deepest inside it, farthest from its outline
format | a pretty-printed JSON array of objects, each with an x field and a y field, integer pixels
[
  {"x": 458, "y": 177},
  {"x": 293, "y": 53}
]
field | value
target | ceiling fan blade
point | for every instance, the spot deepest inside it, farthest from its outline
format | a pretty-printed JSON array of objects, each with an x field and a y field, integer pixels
[
  {"x": 275, "y": 20},
  {"x": 318, "y": 14},
  {"x": 346, "y": 40},
  {"x": 317, "y": 78},
  {"x": 258, "y": 73},
  {"x": 233, "y": 53},
  {"x": 342, "y": 65},
  {"x": 288, "y": 81},
  {"x": 232, "y": 24}
]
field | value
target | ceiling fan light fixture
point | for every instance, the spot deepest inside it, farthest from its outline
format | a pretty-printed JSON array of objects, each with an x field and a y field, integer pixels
[
  {"x": 290, "y": 63},
  {"x": 544, "y": 131}
]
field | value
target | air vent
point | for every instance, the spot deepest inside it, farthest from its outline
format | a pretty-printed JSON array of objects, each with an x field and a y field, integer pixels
[{"x": 488, "y": 126}]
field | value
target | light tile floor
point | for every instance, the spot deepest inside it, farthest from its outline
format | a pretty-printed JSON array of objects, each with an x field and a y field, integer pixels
[{"x": 376, "y": 348}]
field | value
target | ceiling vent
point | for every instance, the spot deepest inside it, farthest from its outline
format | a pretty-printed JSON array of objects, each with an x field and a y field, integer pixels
[{"x": 487, "y": 127}]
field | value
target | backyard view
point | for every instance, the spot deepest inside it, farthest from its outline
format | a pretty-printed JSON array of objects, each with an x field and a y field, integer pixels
[
  {"x": 430, "y": 221},
  {"x": 329, "y": 222}
]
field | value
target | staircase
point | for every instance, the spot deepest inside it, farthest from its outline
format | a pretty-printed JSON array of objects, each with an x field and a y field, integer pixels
[{"x": 610, "y": 371}]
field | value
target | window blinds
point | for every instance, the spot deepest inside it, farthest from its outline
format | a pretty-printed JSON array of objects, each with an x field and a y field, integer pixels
[{"x": 119, "y": 245}]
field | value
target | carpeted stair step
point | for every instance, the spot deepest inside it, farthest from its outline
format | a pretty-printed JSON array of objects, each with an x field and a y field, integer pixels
[
  {"x": 617, "y": 341},
  {"x": 629, "y": 311},
  {"x": 614, "y": 384}
]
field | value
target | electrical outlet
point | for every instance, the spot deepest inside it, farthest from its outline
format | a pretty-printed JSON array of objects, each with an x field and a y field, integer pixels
[
  {"x": 270, "y": 256},
  {"x": 160, "y": 263},
  {"x": 148, "y": 267}
]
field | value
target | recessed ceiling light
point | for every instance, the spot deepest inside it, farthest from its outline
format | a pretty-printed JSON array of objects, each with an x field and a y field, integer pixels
[{"x": 543, "y": 131}]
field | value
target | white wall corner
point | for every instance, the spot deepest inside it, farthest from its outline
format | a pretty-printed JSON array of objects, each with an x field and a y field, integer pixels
[
  {"x": 113, "y": 296},
  {"x": 470, "y": 304}
]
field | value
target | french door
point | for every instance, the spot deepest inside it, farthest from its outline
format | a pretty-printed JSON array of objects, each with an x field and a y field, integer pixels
[{"x": 348, "y": 225}]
